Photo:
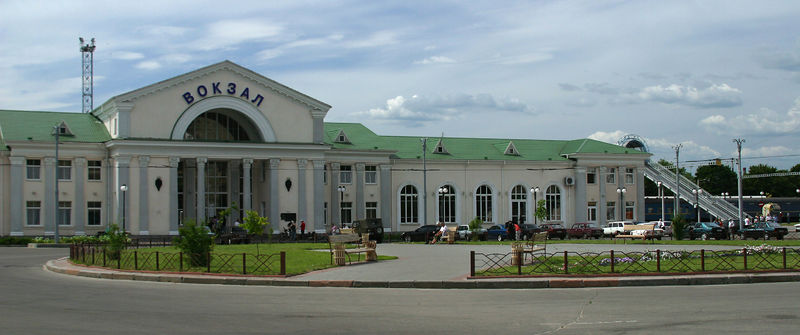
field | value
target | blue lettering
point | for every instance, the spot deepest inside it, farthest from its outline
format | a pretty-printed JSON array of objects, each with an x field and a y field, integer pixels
[
  {"x": 188, "y": 97},
  {"x": 215, "y": 88},
  {"x": 246, "y": 93},
  {"x": 202, "y": 91},
  {"x": 231, "y": 88},
  {"x": 258, "y": 98}
]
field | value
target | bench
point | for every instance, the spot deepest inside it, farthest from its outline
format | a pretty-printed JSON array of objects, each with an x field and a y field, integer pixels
[
  {"x": 629, "y": 229},
  {"x": 338, "y": 249},
  {"x": 538, "y": 242},
  {"x": 451, "y": 235}
]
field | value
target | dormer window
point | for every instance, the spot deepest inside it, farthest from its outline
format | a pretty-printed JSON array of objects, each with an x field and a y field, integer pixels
[
  {"x": 62, "y": 129},
  {"x": 511, "y": 150},
  {"x": 439, "y": 148},
  {"x": 342, "y": 138}
]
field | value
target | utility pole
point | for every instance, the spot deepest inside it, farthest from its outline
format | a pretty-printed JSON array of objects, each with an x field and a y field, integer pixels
[
  {"x": 56, "y": 131},
  {"x": 739, "y": 142},
  {"x": 676, "y": 210}
]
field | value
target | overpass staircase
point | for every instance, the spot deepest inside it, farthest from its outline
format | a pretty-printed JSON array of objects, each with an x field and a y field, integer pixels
[{"x": 716, "y": 207}]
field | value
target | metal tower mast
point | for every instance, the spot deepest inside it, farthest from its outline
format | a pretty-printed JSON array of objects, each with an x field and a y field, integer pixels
[{"x": 87, "y": 54}]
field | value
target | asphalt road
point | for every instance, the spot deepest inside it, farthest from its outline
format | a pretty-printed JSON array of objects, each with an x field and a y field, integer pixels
[{"x": 35, "y": 301}]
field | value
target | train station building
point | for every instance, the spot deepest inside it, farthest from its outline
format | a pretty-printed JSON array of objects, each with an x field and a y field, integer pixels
[{"x": 223, "y": 135}]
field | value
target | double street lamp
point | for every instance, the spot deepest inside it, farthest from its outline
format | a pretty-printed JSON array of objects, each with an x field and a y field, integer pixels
[
  {"x": 535, "y": 191},
  {"x": 341, "y": 189},
  {"x": 443, "y": 191},
  {"x": 621, "y": 191},
  {"x": 661, "y": 196},
  {"x": 697, "y": 192}
]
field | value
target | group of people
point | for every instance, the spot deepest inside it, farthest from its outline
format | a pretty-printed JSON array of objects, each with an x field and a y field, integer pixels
[
  {"x": 291, "y": 230},
  {"x": 514, "y": 230}
]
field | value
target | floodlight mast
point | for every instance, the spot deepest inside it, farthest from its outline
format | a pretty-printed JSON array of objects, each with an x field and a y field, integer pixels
[{"x": 87, "y": 55}]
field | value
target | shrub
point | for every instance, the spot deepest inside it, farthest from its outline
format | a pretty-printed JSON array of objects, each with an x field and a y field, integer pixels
[
  {"x": 15, "y": 240},
  {"x": 115, "y": 240},
  {"x": 678, "y": 226},
  {"x": 475, "y": 227},
  {"x": 196, "y": 241}
]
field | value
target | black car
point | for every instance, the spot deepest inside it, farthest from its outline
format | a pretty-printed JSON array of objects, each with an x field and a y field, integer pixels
[
  {"x": 705, "y": 230},
  {"x": 528, "y": 229},
  {"x": 372, "y": 226},
  {"x": 424, "y": 233},
  {"x": 554, "y": 230},
  {"x": 764, "y": 230}
]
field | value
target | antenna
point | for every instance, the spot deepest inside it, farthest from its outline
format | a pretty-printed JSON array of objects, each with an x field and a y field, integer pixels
[{"x": 87, "y": 54}]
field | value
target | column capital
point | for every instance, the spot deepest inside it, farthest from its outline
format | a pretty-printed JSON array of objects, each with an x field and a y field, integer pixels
[
  {"x": 144, "y": 161},
  {"x": 360, "y": 166},
  {"x": 202, "y": 160},
  {"x": 318, "y": 164},
  {"x": 247, "y": 162},
  {"x": 122, "y": 161},
  {"x": 580, "y": 169},
  {"x": 602, "y": 169},
  {"x": 301, "y": 163},
  {"x": 174, "y": 161},
  {"x": 49, "y": 160},
  {"x": 385, "y": 167},
  {"x": 17, "y": 160},
  {"x": 317, "y": 113},
  {"x": 273, "y": 163},
  {"x": 336, "y": 166}
]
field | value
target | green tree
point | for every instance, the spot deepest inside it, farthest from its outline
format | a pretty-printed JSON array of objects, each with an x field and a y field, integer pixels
[
  {"x": 541, "y": 210},
  {"x": 475, "y": 227},
  {"x": 717, "y": 179},
  {"x": 196, "y": 241},
  {"x": 678, "y": 226},
  {"x": 754, "y": 186},
  {"x": 115, "y": 240},
  {"x": 255, "y": 225}
]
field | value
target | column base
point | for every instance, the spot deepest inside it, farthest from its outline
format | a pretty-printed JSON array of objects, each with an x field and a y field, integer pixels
[
  {"x": 173, "y": 233},
  {"x": 17, "y": 233},
  {"x": 144, "y": 232}
]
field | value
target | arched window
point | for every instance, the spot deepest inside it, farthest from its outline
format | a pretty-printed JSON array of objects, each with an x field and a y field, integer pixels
[
  {"x": 553, "y": 202},
  {"x": 447, "y": 204},
  {"x": 409, "y": 212},
  {"x": 221, "y": 125},
  {"x": 483, "y": 203},
  {"x": 519, "y": 204}
]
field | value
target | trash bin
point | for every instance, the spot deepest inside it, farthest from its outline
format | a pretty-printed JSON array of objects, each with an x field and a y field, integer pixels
[
  {"x": 338, "y": 254},
  {"x": 516, "y": 253}
]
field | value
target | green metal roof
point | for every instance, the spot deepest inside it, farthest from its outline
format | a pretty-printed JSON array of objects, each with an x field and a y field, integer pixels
[
  {"x": 409, "y": 147},
  {"x": 38, "y": 126}
]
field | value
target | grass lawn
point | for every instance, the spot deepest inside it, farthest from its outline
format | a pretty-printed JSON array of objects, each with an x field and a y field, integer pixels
[{"x": 261, "y": 259}]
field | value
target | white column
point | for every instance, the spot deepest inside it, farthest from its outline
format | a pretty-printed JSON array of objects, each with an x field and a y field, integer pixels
[
  {"x": 173, "y": 194},
  {"x": 247, "y": 167},
  {"x": 201, "y": 189},
  {"x": 144, "y": 212}
]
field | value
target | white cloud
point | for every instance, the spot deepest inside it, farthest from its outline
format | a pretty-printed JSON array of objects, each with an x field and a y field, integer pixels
[
  {"x": 764, "y": 121},
  {"x": 715, "y": 96},
  {"x": 127, "y": 55},
  {"x": 662, "y": 148},
  {"x": 435, "y": 60},
  {"x": 149, "y": 65},
  {"x": 417, "y": 109},
  {"x": 227, "y": 34},
  {"x": 765, "y": 151},
  {"x": 377, "y": 39}
]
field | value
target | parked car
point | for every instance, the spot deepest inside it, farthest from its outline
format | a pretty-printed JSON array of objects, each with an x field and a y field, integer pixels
[
  {"x": 554, "y": 230},
  {"x": 705, "y": 230},
  {"x": 647, "y": 231},
  {"x": 584, "y": 230},
  {"x": 528, "y": 229},
  {"x": 464, "y": 233},
  {"x": 763, "y": 230},
  {"x": 424, "y": 233},
  {"x": 615, "y": 227},
  {"x": 372, "y": 226},
  {"x": 797, "y": 227},
  {"x": 496, "y": 232}
]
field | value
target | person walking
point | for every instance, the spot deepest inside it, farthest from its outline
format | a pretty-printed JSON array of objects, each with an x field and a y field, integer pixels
[
  {"x": 302, "y": 228},
  {"x": 292, "y": 230},
  {"x": 518, "y": 231}
]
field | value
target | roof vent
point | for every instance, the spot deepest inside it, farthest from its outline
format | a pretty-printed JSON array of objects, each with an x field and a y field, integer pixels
[
  {"x": 511, "y": 149},
  {"x": 62, "y": 129},
  {"x": 342, "y": 138}
]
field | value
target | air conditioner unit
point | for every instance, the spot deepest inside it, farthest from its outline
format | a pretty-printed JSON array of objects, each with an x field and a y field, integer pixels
[{"x": 569, "y": 181}]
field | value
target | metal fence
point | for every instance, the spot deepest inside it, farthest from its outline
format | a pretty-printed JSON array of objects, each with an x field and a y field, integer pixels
[
  {"x": 133, "y": 259},
  {"x": 764, "y": 258}
]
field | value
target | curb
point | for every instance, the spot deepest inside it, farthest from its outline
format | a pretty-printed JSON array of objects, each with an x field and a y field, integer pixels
[{"x": 63, "y": 266}]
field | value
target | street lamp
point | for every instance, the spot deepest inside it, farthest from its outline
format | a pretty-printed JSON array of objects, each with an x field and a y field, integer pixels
[
  {"x": 443, "y": 192},
  {"x": 535, "y": 191},
  {"x": 661, "y": 196},
  {"x": 761, "y": 193},
  {"x": 341, "y": 189},
  {"x": 697, "y": 192},
  {"x": 621, "y": 191},
  {"x": 56, "y": 132},
  {"x": 124, "y": 189}
]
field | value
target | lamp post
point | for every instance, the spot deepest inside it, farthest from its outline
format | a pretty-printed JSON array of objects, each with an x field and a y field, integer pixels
[
  {"x": 56, "y": 132},
  {"x": 424, "y": 181},
  {"x": 677, "y": 209},
  {"x": 124, "y": 189},
  {"x": 661, "y": 196},
  {"x": 739, "y": 142},
  {"x": 621, "y": 191},
  {"x": 535, "y": 191},
  {"x": 697, "y": 192},
  {"x": 341, "y": 189},
  {"x": 443, "y": 192}
]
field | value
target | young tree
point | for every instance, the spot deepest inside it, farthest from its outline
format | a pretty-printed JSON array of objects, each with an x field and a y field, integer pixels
[{"x": 255, "y": 225}]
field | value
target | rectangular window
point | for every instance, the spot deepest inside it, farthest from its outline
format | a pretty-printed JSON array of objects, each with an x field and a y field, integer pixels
[
  {"x": 372, "y": 209},
  {"x": 325, "y": 175},
  {"x": 64, "y": 170},
  {"x": 611, "y": 176},
  {"x": 93, "y": 213},
  {"x": 33, "y": 213},
  {"x": 325, "y": 214},
  {"x": 591, "y": 175},
  {"x": 628, "y": 175},
  {"x": 346, "y": 174},
  {"x": 370, "y": 174},
  {"x": 33, "y": 170},
  {"x": 347, "y": 212},
  {"x": 64, "y": 213},
  {"x": 629, "y": 208},
  {"x": 95, "y": 170},
  {"x": 591, "y": 216},
  {"x": 611, "y": 211}
]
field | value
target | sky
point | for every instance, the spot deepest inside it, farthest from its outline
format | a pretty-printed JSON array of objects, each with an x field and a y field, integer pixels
[{"x": 694, "y": 73}]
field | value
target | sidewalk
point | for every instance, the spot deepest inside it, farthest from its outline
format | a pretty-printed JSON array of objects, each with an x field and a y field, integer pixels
[{"x": 430, "y": 266}]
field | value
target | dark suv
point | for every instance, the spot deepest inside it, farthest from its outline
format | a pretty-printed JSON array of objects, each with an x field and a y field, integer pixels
[{"x": 372, "y": 226}]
